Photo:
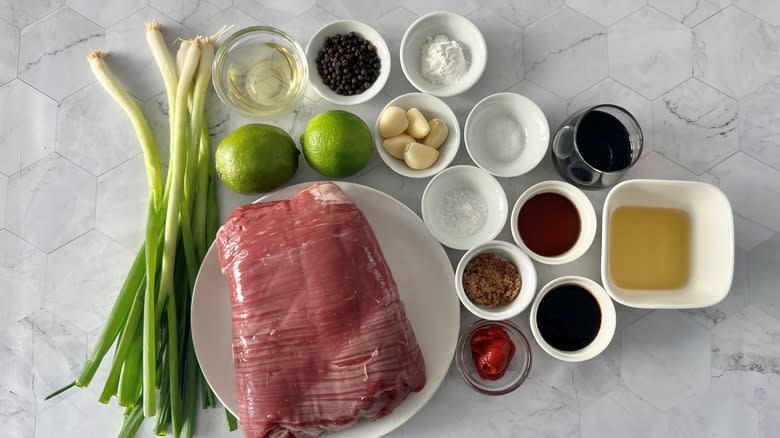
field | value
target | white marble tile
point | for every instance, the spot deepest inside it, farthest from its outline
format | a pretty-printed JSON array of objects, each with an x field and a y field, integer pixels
[
  {"x": 561, "y": 43},
  {"x": 524, "y": 12},
  {"x": 759, "y": 132},
  {"x": 186, "y": 12},
  {"x": 462, "y": 7},
  {"x": 690, "y": 12},
  {"x": 554, "y": 107},
  {"x": 747, "y": 344},
  {"x": 769, "y": 421},
  {"x": 619, "y": 413},
  {"x": 713, "y": 413},
  {"x": 657, "y": 166},
  {"x": 752, "y": 187},
  {"x": 231, "y": 16},
  {"x": 303, "y": 27},
  {"x": 360, "y": 10},
  {"x": 51, "y": 188},
  {"x": 79, "y": 415},
  {"x": 56, "y": 44},
  {"x": 611, "y": 91},
  {"x": 388, "y": 26},
  {"x": 606, "y": 12},
  {"x": 59, "y": 350},
  {"x": 764, "y": 260},
  {"x": 17, "y": 400},
  {"x": 747, "y": 45},
  {"x": 627, "y": 316},
  {"x": 9, "y": 51},
  {"x": 27, "y": 125},
  {"x": 595, "y": 378},
  {"x": 767, "y": 10},
  {"x": 106, "y": 12},
  {"x": 505, "y": 52},
  {"x": 666, "y": 358},
  {"x": 749, "y": 234},
  {"x": 275, "y": 13},
  {"x": 122, "y": 203},
  {"x": 24, "y": 12},
  {"x": 22, "y": 269},
  {"x": 649, "y": 52},
  {"x": 110, "y": 141},
  {"x": 3, "y": 193},
  {"x": 129, "y": 57},
  {"x": 733, "y": 303},
  {"x": 695, "y": 125},
  {"x": 84, "y": 296}
]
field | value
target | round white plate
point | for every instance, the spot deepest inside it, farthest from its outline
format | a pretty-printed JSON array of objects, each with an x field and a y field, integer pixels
[{"x": 420, "y": 267}]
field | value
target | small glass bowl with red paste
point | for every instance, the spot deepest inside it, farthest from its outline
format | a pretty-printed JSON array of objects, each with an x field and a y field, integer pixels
[{"x": 494, "y": 357}]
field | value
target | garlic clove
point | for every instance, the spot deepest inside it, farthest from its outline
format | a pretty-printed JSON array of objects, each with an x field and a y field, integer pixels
[
  {"x": 392, "y": 122},
  {"x": 418, "y": 127},
  {"x": 418, "y": 156},
  {"x": 395, "y": 145},
  {"x": 437, "y": 135}
]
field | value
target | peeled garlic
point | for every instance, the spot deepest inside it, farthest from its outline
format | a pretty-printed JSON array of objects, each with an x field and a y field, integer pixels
[
  {"x": 419, "y": 157},
  {"x": 418, "y": 127},
  {"x": 437, "y": 135},
  {"x": 395, "y": 145},
  {"x": 392, "y": 122}
]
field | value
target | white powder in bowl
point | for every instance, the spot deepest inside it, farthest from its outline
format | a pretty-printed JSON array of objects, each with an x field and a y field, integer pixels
[
  {"x": 443, "y": 60},
  {"x": 463, "y": 212}
]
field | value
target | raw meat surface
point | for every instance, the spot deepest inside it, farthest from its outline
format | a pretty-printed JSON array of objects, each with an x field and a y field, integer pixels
[{"x": 320, "y": 336}]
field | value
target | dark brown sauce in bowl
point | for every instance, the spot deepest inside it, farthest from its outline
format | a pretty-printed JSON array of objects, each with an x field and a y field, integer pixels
[{"x": 549, "y": 224}]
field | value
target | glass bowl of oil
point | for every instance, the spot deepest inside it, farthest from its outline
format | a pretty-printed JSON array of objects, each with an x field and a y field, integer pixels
[{"x": 260, "y": 71}]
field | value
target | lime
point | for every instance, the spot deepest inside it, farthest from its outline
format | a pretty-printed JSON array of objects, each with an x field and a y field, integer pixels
[
  {"x": 337, "y": 143},
  {"x": 256, "y": 158}
]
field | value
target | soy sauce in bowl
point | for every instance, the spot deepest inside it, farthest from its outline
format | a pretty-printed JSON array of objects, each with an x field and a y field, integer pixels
[{"x": 569, "y": 317}]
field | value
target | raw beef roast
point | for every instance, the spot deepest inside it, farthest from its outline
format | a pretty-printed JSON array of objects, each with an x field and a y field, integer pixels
[{"x": 320, "y": 336}]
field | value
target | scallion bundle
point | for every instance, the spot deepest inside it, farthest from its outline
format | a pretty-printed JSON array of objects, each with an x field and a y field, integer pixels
[{"x": 154, "y": 371}]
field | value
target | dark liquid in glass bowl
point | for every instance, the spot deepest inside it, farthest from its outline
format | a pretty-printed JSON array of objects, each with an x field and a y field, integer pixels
[
  {"x": 604, "y": 142},
  {"x": 568, "y": 317}
]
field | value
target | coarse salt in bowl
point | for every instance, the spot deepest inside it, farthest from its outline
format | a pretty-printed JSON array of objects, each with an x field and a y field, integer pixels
[
  {"x": 464, "y": 206},
  {"x": 454, "y": 27}
]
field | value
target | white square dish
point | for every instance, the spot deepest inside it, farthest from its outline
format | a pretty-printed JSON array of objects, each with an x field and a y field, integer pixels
[{"x": 712, "y": 242}]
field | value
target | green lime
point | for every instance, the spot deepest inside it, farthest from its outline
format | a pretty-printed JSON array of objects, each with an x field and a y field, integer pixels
[
  {"x": 337, "y": 143},
  {"x": 256, "y": 158}
]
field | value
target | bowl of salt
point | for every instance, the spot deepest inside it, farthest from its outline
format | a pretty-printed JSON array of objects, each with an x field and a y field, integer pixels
[{"x": 464, "y": 206}]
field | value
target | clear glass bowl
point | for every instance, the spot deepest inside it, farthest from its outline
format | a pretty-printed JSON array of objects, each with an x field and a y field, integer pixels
[
  {"x": 260, "y": 71},
  {"x": 516, "y": 372}
]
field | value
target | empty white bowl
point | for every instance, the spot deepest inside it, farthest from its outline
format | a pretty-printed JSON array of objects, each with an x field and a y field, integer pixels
[
  {"x": 432, "y": 108},
  {"x": 451, "y": 216},
  {"x": 712, "y": 242},
  {"x": 525, "y": 267},
  {"x": 588, "y": 223},
  {"x": 455, "y": 27},
  {"x": 343, "y": 27},
  {"x": 506, "y": 134},
  {"x": 606, "y": 330}
]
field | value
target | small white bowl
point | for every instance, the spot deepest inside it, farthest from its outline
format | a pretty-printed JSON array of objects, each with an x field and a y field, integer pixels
[
  {"x": 712, "y": 242},
  {"x": 606, "y": 330},
  {"x": 432, "y": 108},
  {"x": 527, "y": 129},
  {"x": 343, "y": 27},
  {"x": 457, "y": 180},
  {"x": 525, "y": 267},
  {"x": 455, "y": 27},
  {"x": 588, "y": 222}
]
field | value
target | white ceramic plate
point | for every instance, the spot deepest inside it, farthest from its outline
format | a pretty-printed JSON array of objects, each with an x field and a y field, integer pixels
[{"x": 420, "y": 267}]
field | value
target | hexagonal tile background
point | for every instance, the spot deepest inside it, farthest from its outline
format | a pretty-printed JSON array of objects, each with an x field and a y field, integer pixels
[
  {"x": 561, "y": 43},
  {"x": 701, "y": 76},
  {"x": 52, "y": 189},
  {"x": 649, "y": 52},
  {"x": 677, "y": 348}
]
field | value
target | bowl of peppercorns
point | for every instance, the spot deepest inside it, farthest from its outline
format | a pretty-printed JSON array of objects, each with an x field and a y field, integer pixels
[{"x": 349, "y": 62}]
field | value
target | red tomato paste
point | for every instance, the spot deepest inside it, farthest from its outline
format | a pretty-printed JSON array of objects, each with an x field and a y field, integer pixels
[{"x": 492, "y": 351}]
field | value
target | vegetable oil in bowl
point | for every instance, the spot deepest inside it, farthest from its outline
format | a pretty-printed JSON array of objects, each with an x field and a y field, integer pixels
[
  {"x": 263, "y": 76},
  {"x": 260, "y": 71}
]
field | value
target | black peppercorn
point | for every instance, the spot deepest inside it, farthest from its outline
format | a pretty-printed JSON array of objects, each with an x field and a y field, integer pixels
[{"x": 348, "y": 64}]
